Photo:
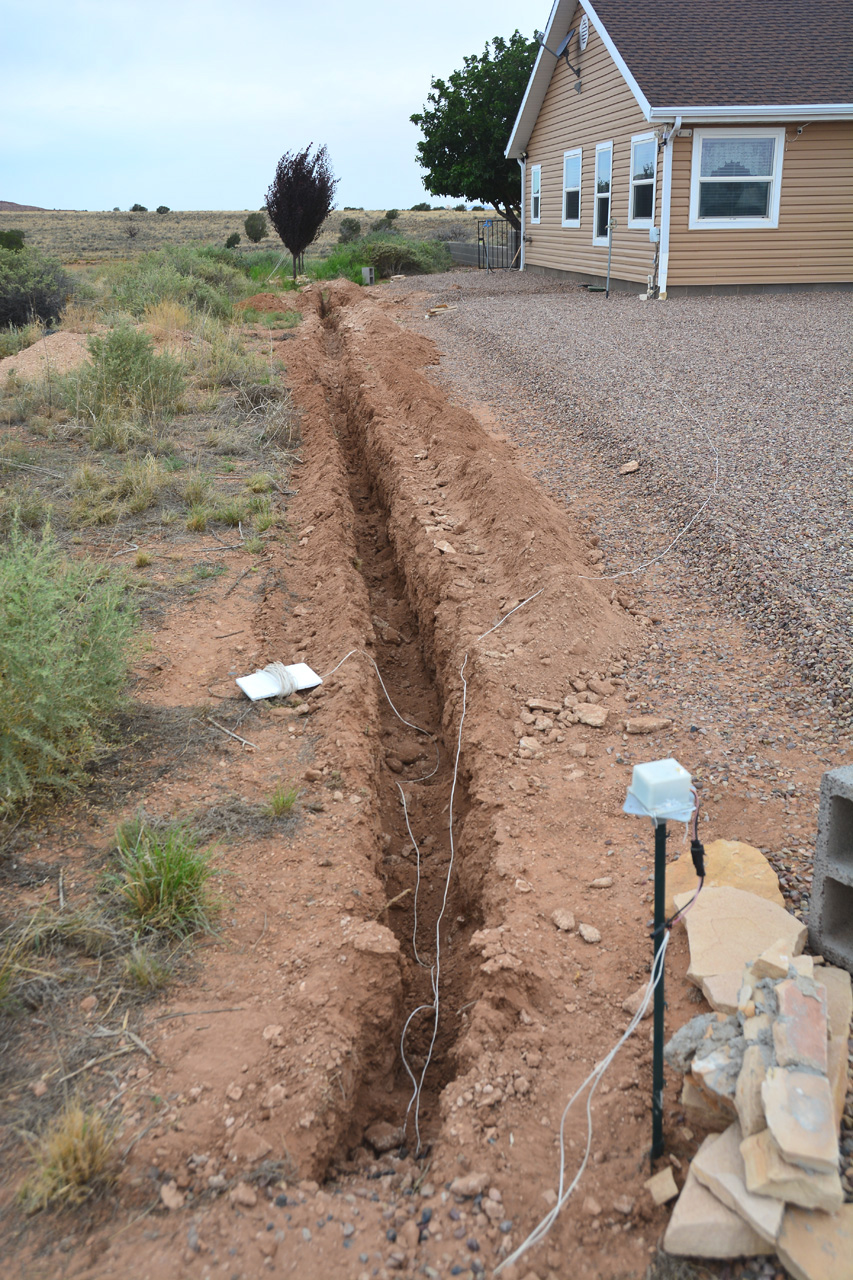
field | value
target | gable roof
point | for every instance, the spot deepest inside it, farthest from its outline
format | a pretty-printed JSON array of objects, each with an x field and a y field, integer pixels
[{"x": 712, "y": 59}]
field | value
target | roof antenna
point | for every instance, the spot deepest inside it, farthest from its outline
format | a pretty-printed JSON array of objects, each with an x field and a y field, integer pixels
[{"x": 562, "y": 49}]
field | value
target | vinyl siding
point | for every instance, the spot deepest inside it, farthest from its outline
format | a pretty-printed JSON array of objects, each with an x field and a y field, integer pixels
[
  {"x": 813, "y": 243},
  {"x": 605, "y": 110}
]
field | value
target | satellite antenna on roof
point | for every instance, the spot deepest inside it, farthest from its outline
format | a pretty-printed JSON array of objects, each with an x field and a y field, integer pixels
[{"x": 561, "y": 50}]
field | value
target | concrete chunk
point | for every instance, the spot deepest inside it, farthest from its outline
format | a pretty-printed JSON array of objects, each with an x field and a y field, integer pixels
[
  {"x": 801, "y": 1117},
  {"x": 768, "y": 1173},
  {"x": 728, "y": 863},
  {"x": 701, "y": 1226},
  {"x": 815, "y": 1246},
  {"x": 719, "y": 1167},
  {"x": 728, "y": 928}
]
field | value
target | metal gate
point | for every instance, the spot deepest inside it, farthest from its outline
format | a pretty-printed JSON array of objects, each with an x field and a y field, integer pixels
[{"x": 497, "y": 244}]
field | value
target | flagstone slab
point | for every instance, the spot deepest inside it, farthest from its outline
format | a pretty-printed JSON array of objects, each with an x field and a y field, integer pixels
[
  {"x": 701, "y": 1226},
  {"x": 817, "y": 1246},
  {"x": 728, "y": 928},
  {"x": 719, "y": 1167},
  {"x": 728, "y": 864},
  {"x": 768, "y": 1173},
  {"x": 801, "y": 1117}
]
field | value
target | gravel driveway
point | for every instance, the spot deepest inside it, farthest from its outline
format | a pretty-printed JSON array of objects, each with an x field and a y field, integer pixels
[{"x": 739, "y": 413}]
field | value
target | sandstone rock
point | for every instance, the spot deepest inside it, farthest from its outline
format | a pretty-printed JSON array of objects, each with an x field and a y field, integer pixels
[
  {"x": 468, "y": 1185},
  {"x": 801, "y": 1118},
  {"x": 728, "y": 864},
  {"x": 702, "y": 1110},
  {"x": 633, "y": 1002},
  {"x": 603, "y": 882},
  {"x": 243, "y": 1195},
  {"x": 773, "y": 963},
  {"x": 702, "y": 1227},
  {"x": 719, "y": 1167},
  {"x": 662, "y": 1187},
  {"x": 768, "y": 1173},
  {"x": 799, "y": 1030},
  {"x": 589, "y": 933},
  {"x": 272, "y": 1034},
  {"x": 540, "y": 704},
  {"x": 528, "y": 744},
  {"x": 249, "y": 1147},
  {"x": 375, "y": 938},
  {"x": 628, "y": 468},
  {"x": 591, "y": 1207},
  {"x": 595, "y": 717},
  {"x": 647, "y": 724},
  {"x": 383, "y": 1136},
  {"x": 727, "y": 928},
  {"x": 171, "y": 1197},
  {"x": 563, "y": 919},
  {"x": 721, "y": 991},
  {"x": 816, "y": 1246},
  {"x": 748, "y": 1104},
  {"x": 804, "y": 966},
  {"x": 624, "y": 1205}
]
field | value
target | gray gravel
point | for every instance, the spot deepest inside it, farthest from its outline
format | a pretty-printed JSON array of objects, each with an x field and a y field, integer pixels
[{"x": 741, "y": 403}]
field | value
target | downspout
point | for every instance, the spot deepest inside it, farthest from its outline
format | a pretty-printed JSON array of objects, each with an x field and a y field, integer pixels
[
  {"x": 666, "y": 207},
  {"x": 522, "y": 162}
]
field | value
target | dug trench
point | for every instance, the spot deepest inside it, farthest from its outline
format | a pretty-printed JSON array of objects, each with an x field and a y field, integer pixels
[{"x": 420, "y": 541}]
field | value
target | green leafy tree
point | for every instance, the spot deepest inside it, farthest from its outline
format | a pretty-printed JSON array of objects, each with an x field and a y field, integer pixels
[
  {"x": 256, "y": 227},
  {"x": 467, "y": 122}
]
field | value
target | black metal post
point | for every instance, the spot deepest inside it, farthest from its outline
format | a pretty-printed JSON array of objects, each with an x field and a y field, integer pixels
[{"x": 657, "y": 1058}]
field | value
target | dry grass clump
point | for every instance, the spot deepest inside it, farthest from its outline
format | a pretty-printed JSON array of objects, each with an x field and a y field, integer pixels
[
  {"x": 103, "y": 497},
  {"x": 74, "y": 1157},
  {"x": 163, "y": 878},
  {"x": 167, "y": 320}
]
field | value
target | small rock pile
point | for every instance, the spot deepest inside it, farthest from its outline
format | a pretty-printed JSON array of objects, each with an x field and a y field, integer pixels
[{"x": 768, "y": 1068}]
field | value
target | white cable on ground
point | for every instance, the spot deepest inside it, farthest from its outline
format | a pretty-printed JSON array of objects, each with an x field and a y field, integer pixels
[
  {"x": 511, "y": 612},
  {"x": 593, "y": 1079}
]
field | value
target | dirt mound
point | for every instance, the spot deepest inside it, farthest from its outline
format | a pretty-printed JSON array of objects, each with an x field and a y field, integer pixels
[
  {"x": 261, "y": 302},
  {"x": 55, "y": 353}
]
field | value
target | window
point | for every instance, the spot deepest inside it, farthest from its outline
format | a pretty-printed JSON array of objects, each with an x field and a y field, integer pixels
[
  {"x": 572, "y": 188},
  {"x": 644, "y": 160},
  {"x": 535, "y": 192},
  {"x": 603, "y": 175},
  {"x": 735, "y": 178}
]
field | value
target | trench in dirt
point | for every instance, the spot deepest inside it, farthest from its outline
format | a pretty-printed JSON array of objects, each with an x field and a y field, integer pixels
[{"x": 420, "y": 767}]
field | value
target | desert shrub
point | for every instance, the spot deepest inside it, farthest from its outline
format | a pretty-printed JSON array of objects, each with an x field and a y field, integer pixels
[
  {"x": 138, "y": 208},
  {"x": 125, "y": 379},
  {"x": 350, "y": 229},
  {"x": 208, "y": 280},
  {"x": 13, "y": 340},
  {"x": 391, "y": 214},
  {"x": 73, "y": 1158},
  {"x": 162, "y": 879},
  {"x": 256, "y": 227},
  {"x": 13, "y": 240},
  {"x": 32, "y": 287},
  {"x": 163, "y": 208},
  {"x": 66, "y": 632},
  {"x": 232, "y": 241},
  {"x": 460, "y": 208},
  {"x": 421, "y": 207},
  {"x": 388, "y": 255}
]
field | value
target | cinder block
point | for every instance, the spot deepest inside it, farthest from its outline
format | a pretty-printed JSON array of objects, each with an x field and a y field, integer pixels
[{"x": 831, "y": 909}]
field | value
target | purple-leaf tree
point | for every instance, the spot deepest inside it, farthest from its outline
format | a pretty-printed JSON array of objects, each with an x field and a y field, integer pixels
[{"x": 300, "y": 198}]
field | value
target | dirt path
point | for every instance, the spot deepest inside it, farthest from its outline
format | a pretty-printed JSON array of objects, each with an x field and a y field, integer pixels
[{"x": 275, "y": 1117}]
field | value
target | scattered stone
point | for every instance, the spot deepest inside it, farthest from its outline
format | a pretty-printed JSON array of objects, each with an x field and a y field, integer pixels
[
  {"x": 88, "y": 1004},
  {"x": 563, "y": 919},
  {"x": 272, "y": 1034},
  {"x": 727, "y": 928},
  {"x": 624, "y": 1205},
  {"x": 529, "y": 744},
  {"x": 633, "y": 1002},
  {"x": 249, "y": 1147},
  {"x": 445, "y": 548},
  {"x": 628, "y": 468},
  {"x": 383, "y": 1136},
  {"x": 816, "y": 1246},
  {"x": 702, "y": 1227},
  {"x": 589, "y": 933},
  {"x": 594, "y": 716},
  {"x": 234, "y": 1092},
  {"x": 243, "y": 1195},
  {"x": 603, "y": 882},
  {"x": 728, "y": 864},
  {"x": 662, "y": 1187},
  {"x": 171, "y": 1197},
  {"x": 647, "y": 724},
  {"x": 313, "y": 775},
  {"x": 801, "y": 1118},
  {"x": 719, "y": 1167},
  {"x": 395, "y": 765},
  {"x": 768, "y": 1173},
  {"x": 468, "y": 1185},
  {"x": 39, "y": 1088},
  {"x": 539, "y": 704},
  {"x": 591, "y": 1207},
  {"x": 750, "y": 1111}
]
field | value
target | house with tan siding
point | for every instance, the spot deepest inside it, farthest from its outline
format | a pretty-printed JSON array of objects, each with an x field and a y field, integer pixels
[{"x": 702, "y": 147}]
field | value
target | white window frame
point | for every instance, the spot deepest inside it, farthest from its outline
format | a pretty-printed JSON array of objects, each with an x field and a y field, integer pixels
[
  {"x": 535, "y": 180},
  {"x": 695, "y": 223},
  {"x": 601, "y": 241},
  {"x": 576, "y": 152},
  {"x": 640, "y": 223}
]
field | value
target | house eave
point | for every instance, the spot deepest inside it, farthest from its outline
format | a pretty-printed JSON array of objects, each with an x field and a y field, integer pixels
[{"x": 776, "y": 112}]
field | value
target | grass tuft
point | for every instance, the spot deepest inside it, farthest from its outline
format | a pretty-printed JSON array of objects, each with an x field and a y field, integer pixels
[
  {"x": 145, "y": 970},
  {"x": 163, "y": 878},
  {"x": 282, "y": 800},
  {"x": 73, "y": 1157}
]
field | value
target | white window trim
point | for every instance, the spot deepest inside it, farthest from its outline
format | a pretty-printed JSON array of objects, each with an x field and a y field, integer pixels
[
  {"x": 535, "y": 172},
  {"x": 695, "y": 223},
  {"x": 572, "y": 222},
  {"x": 601, "y": 241},
  {"x": 640, "y": 223}
]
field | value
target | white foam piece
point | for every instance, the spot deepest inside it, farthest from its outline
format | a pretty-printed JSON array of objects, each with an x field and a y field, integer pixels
[{"x": 265, "y": 684}]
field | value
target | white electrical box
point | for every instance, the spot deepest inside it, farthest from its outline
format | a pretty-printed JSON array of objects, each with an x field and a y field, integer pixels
[
  {"x": 654, "y": 235},
  {"x": 661, "y": 789}
]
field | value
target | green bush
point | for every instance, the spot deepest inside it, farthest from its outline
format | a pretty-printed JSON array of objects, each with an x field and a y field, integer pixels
[
  {"x": 388, "y": 256},
  {"x": 206, "y": 279},
  {"x": 349, "y": 230},
  {"x": 421, "y": 207},
  {"x": 66, "y": 634},
  {"x": 125, "y": 378},
  {"x": 232, "y": 241},
  {"x": 460, "y": 208},
  {"x": 256, "y": 227},
  {"x": 391, "y": 215},
  {"x": 12, "y": 240},
  {"x": 138, "y": 208},
  {"x": 32, "y": 287},
  {"x": 163, "y": 208}
]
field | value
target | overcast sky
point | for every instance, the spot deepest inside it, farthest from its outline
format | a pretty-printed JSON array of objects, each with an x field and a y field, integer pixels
[{"x": 191, "y": 104}]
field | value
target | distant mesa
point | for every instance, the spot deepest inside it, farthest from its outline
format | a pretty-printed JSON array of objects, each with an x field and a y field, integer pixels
[{"x": 9, "y": 206}]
